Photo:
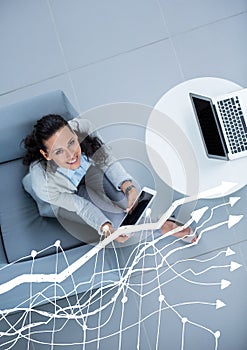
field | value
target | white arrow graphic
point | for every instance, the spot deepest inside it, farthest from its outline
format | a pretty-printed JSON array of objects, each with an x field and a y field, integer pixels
[
  {"x": 234, "y": 266},
  {"x": 224, "y": 284},
  {"x": 229, "y": 252},
  {"x": 233, "y": 220},
  {"x": 197, "y": 214},
  {"x": 222, "y": 189},
  {"x": 219, "y": 304},
  {"x": 233, "y": 200}
]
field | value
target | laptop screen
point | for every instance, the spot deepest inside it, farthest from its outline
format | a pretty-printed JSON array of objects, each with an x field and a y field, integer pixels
[{"x": 210, "y": 130}]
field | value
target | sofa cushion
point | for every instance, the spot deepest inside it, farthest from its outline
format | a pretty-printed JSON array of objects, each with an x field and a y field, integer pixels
[
  {"x": 17, "y": 120},
  {"x": 44, "y": 208},
  {"x": 23, "y": 229}
]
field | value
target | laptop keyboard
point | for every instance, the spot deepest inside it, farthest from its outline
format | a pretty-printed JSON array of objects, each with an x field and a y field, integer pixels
[{"x": 233, "y": 120}]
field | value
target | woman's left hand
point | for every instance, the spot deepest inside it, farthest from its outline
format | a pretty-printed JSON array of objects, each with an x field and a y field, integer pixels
[
  {"x": 107, "y": 229},
  {"x": 132, "y": 195}
]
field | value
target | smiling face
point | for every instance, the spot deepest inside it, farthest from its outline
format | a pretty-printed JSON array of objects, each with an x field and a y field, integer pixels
[{"x": 63, "y": 148}]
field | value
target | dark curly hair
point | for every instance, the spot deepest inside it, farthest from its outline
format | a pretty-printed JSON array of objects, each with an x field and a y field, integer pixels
[{"x": 45, "y": 127}]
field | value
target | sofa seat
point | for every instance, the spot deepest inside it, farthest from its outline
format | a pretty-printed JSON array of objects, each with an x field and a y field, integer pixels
[{"x": 23, "y": 229}]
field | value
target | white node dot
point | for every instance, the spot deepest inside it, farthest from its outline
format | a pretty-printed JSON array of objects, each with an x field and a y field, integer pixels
[
  {"x": 161, "y": 298},
  {"x": 217, "y": 334},
  {"x": 33, "y": 253},
  {"x": 57, "y": 243},
  {"x": 124, "y": 300},
  {"x": 184, "y": 319},
  {"x": 148, "y": 212},
  {"x": 84, "y": 327},
  {"x": 105, "y": 228}
]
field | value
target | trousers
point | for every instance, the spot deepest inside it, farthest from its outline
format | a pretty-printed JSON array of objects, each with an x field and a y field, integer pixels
[{"x": 96, "y": 188}]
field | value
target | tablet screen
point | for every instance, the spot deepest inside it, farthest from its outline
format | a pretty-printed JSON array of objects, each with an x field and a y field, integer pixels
[
  {"x": 209, "y": 127},
  {"x": 143, "y": 200}
]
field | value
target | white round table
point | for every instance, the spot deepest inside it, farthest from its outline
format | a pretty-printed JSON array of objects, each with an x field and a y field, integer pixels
[{"x": 174, "y": 143}]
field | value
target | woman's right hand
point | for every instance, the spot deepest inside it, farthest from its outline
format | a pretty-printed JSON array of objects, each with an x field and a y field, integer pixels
[{"x": 108, "y": 229}]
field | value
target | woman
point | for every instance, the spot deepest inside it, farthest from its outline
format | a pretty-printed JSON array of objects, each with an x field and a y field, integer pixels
[{"x": 71, "y": 168}]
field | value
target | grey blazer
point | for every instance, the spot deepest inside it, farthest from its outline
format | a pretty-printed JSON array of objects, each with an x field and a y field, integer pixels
[{"x": 54, "y": 188}]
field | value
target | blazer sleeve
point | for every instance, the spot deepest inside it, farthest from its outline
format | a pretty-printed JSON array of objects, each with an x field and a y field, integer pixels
[
  {"x": 49, "y": 188},
  {"x": 89, "y": 213}
]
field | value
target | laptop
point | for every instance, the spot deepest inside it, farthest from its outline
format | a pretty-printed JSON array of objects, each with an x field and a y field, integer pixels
[{"x": 222, "y": 122}]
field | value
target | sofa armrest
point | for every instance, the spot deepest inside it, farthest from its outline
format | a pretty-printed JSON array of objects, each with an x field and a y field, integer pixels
[{"x": 3, "y": 259}]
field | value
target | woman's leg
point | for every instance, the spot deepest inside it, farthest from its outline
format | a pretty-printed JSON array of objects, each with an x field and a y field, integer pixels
[{"x": 113, "y": 213}]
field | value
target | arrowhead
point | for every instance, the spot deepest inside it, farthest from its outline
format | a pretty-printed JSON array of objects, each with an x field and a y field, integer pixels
[
  {"x": 197, "y": 214},
  {"x": 227, "y": 186},
  {"x": 233, "y": 220},
  {"x": 234, "y": 266},
  {"x": 224, "y": 284},
  {"x": 229, "y": 252},
  {"x": 223, "y": 189},
  {"x": 233, "y": 200},
  {"x": 219, "y": 304}
]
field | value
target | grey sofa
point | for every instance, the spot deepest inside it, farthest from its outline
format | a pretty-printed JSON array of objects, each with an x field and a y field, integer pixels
[{"x": 23, "y": 230}]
